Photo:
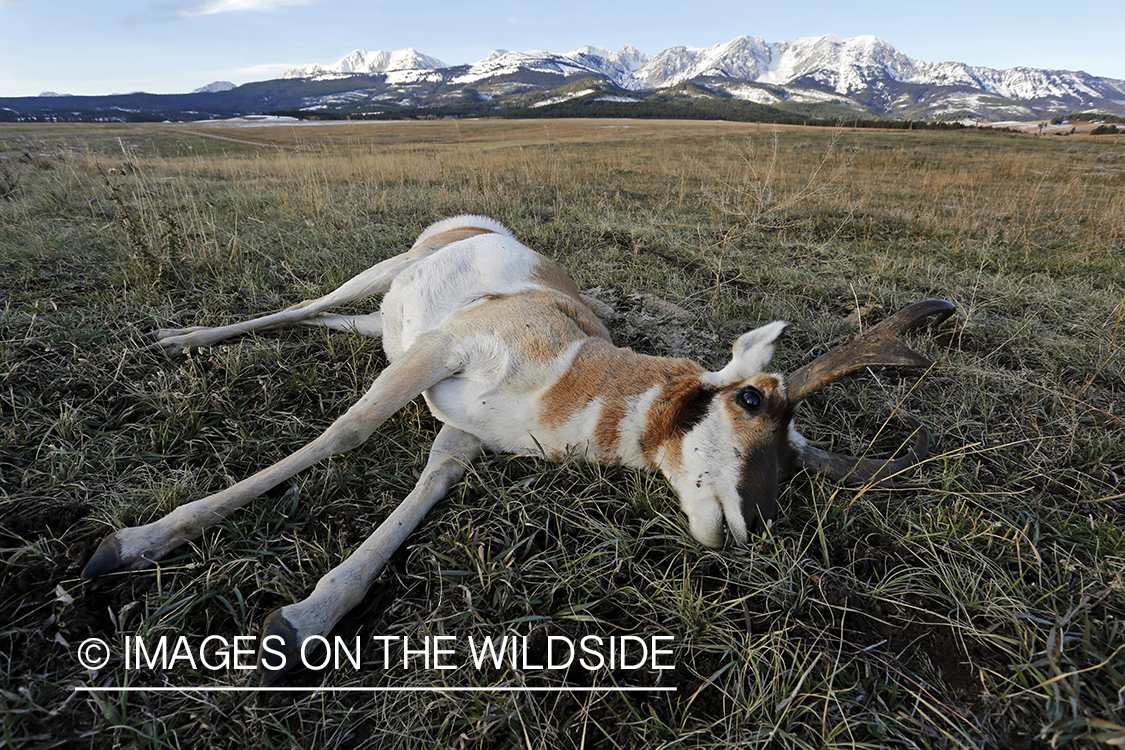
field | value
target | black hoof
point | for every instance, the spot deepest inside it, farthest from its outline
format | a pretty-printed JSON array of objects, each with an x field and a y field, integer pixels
[
  {"x": 279, "y": 649},
  {"x": 106, "y": 558},
  {"x": 162, "y": 346}
]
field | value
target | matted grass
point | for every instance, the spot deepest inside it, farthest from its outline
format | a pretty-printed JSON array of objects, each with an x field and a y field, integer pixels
[{"x": 981, "y": 608}]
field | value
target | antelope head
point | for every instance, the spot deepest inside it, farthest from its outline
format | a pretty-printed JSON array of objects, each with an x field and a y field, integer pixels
[{"x": 736, "y": 438}]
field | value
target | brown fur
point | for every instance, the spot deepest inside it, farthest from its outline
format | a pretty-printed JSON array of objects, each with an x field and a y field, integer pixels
[
  {"x": 539, "y": 323},
  {"x": 602, "y": 371},
  {"x": 771, "y": 386},
  {"x": 681, "y": 405},
  {"x": 548, "y": 274}
]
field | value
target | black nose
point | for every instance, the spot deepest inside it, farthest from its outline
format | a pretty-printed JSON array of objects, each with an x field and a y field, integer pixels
[
  {"x": 758, "y": 514},
  {"x": 757, "y": 489},
  {"x": 759, "y": 526}
]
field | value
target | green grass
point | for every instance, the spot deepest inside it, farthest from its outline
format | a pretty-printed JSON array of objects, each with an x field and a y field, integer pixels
[{"x": 983, "y": 607}]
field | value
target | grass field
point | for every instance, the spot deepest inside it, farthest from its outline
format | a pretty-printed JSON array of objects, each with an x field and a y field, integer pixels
[{"x": 982, "y": 607}]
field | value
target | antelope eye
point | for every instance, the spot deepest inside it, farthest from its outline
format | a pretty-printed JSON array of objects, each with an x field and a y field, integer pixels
[{"x": 750, "y": 399}]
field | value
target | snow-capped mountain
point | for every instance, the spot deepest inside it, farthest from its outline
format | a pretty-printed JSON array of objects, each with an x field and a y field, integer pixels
[
  {"x": 746, "y": 58},
  {"x": 870, "y": 66},
  {"x": 361, "y": 62},
  {"x": 613, "y": 66},
  {"x": 864, "y": 73},
  {"x": 214, "y": 87}
]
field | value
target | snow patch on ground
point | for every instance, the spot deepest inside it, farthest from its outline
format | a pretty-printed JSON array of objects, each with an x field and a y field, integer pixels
[
  {"x": 251, "y": 120},
  {"x": 563, "y": 98},
  {"x": 753, "y": 94},
  {"x": 1031, "y": 126},
  {"x": 812, "y": 96},
  {"x": 399, "y": 77}
]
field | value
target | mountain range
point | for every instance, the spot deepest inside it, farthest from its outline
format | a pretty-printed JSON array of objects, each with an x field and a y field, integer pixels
[
  {"x": 824, "y": 77},
  {"x": 863, "y": 73}
]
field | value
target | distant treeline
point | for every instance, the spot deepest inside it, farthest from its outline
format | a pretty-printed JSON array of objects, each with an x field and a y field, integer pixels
[
  {"x": 1087, "y": 117},
  {"x": 644, "y": 110},
  {"x": 724, "y": 111}
]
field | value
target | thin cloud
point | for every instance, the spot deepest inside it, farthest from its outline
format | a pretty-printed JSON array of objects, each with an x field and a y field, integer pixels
[
  {"x": 268, "y": 70},
  {"x": 212, "y": 7}
]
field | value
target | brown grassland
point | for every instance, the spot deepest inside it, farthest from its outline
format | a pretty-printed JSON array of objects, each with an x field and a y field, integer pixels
[{"x": 983, "y": 606}]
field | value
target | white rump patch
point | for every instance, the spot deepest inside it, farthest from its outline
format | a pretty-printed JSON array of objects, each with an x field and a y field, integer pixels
[{"x": 464, "y": 221}]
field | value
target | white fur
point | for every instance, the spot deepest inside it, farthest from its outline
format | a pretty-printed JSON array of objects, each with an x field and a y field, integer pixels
[
  {"x": 708, "y": 483},
  {"x": 463, "y": 221},
  {"x": 452, "y": 279},
  {"x": 751, "y": 353}
]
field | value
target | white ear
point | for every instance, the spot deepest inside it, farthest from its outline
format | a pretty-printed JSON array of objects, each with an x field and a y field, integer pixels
[{"x": 752, "y": 352}]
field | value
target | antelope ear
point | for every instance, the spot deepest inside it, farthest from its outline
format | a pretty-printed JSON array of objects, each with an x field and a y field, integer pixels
[{"x": 752, "y": 352}]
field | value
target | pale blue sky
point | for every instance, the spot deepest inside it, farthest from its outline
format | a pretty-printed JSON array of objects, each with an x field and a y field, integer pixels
[{"x": 174, "y": 46}]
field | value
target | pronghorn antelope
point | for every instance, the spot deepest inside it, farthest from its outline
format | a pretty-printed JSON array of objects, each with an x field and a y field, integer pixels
[{"x": 508, "y": 356}]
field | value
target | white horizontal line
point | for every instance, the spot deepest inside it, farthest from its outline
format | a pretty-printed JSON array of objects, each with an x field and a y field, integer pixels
[{"x": 494, "y": 689}]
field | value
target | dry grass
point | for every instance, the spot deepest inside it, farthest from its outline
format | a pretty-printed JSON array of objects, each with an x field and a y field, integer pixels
[{"x": 981, "y": 609}]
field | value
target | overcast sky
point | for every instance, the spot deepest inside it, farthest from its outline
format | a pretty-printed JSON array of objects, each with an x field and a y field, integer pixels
[{"x": 174, "y": 46}]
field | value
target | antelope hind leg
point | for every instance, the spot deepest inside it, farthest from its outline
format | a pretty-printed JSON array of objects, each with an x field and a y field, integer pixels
[
  {"x": 375, "y": 280},
  {"x": 365, "y": 325},
  {"x": 342, "y": 588}
]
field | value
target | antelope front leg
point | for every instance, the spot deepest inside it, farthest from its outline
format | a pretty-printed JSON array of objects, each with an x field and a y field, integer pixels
[
  {"x": 420, "y": 367},
  {"x": 346, "y": 585}
]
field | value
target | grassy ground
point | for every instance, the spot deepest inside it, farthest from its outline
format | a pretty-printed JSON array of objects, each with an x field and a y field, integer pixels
[{"x": 985, "y": 607}]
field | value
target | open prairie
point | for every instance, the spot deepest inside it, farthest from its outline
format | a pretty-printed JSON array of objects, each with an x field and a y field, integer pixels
[{"x": 981, "y": 606}]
